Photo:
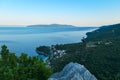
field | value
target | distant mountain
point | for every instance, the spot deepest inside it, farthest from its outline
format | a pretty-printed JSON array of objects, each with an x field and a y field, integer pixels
[
  {"x": 52, "y": 25},
  {"x": 105, "y": 32}
]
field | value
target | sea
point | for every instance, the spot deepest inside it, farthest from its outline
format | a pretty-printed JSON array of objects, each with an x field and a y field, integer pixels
[{"x": 26, "y": 39}]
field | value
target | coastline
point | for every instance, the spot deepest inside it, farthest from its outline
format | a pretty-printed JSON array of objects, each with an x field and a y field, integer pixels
[{"x": 53, "y": 50}]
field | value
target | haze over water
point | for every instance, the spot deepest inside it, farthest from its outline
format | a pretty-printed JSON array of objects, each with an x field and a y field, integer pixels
[{"x": 26, "y": 39}]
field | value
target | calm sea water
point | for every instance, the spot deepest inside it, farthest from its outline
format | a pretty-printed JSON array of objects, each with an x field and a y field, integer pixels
[{"x": 26, "y": 39}]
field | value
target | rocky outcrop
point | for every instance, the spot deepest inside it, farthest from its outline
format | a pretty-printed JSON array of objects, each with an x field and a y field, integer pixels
[{"x": 73, "y": 71}]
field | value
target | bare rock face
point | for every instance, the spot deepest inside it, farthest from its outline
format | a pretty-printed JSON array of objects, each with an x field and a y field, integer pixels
[{"x": 73, "y": 71}]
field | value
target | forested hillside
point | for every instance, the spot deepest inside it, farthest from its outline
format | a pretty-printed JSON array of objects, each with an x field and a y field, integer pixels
[
  {"x": 105, "y": 32},
  {"x": 102, "y": 59}
]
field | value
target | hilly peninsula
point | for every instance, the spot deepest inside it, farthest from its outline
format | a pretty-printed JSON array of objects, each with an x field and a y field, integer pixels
[{"x": 99, "y": 53}]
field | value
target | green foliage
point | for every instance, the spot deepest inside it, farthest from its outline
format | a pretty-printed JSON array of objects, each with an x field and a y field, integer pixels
[
  {"x": 45, "y": 50},
  {"x": 105, "y": 32},
  {"x": 103, "y": 60},
  {"x": 24, "y": 67}
]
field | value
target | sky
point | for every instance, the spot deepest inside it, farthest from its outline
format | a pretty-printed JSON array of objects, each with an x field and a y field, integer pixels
[{"x": 72, "y": 12}]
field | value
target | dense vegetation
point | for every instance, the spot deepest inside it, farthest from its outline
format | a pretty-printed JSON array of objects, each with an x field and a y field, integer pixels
[
  {"x": 23, "y": 67},
  {"x": 105, "y": 32},
  {"x": 44, "y": 50},
  {"x": 102, "y": 60}
]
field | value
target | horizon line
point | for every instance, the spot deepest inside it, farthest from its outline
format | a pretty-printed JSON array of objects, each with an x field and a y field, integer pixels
[{"x": 55, "y": 24}]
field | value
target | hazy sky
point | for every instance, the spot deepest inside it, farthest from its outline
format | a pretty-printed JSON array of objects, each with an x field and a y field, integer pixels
[{"x": 74, "y": 12}]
